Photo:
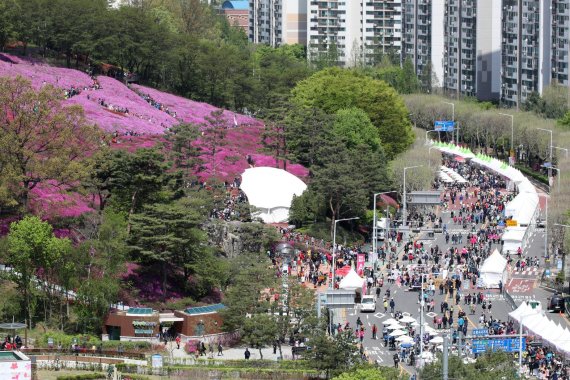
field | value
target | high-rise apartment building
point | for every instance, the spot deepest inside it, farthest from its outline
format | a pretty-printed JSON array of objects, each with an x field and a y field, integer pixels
[
  {"x": 356, "y": 31},
  {"x": 526, "y": 41},
  {"x": 560, "y": 45},
  {"x": 276, "y": 22},
  {"x": 422, "y": 40}
]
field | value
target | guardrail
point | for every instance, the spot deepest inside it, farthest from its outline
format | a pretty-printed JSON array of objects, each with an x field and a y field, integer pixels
[{"x": 510, "y": 301}]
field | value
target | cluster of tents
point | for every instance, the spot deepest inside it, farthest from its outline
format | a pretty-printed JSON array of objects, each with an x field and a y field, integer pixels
[
  {"x": 535, "y": 322},
  {"x": 522, "y": 209},
  {"x": 449, "y": 175}
]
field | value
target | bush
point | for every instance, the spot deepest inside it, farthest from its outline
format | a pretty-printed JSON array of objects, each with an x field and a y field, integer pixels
[
  {"x": 531, "y": 173},
  {"x": 87, "y": 376},
  {"x": 90, "y": 340}
]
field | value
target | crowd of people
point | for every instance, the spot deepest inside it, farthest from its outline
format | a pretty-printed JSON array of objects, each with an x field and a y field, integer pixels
[
  {"x": 229, "y": 209},
  {"x": 159, "y": 106}
]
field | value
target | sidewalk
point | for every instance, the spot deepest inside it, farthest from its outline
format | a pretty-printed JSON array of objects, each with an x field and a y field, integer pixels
[{"x": 235, "y": 353}]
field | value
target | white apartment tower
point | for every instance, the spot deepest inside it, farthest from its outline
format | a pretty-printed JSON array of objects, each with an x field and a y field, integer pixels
[
  {"x": 276, "y": 22},
  {"x": 355, "y": 30}
]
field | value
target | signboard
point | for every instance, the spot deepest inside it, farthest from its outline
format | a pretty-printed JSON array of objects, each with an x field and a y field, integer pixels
[
  {"x": 339, "y": 298},
  {"x": 156, "y": 361},
  {"x": 360, "y": 259},
  {"x": 512, "y": 223},
  {"x": 505, "y": 344},
  {"x": 480, "y": 332},
  {"x": 444, "y": 126},
  {"x": 425, "y": 197}
]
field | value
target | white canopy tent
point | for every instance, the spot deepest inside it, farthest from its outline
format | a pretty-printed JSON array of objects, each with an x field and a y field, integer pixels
[
  {"x": 271, "y": 191},
  {"x": 513, "y": 238},
  {"x": 493, "y": 270},
  {"x": 352, "y": 281}
]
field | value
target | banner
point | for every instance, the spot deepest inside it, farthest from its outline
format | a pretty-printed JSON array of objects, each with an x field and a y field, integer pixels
[{"x": 360, "y": 264}]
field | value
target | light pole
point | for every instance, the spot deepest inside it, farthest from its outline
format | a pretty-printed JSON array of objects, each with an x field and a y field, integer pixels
[
  {"x": 404, "y": 216},
  {"x": 520, "y": 341},
  {"x": 374, "y": 234},
  {"x": 549, "y": 169},
  {"x": 564, "y": 255},
  {"x": 431, "y": 130},
  {"x": 334, "y": 246},
  {"x": 453, "y": 118},
  {"x": 560, "y": 148},
  {"x": 429, "y": 155},
  {"x": 512, "y": 130}
]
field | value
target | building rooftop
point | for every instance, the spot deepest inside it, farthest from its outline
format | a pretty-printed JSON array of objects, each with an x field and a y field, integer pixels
[
  {"x": 204, "y": 309},
  {"x": 240, "y": 5}
]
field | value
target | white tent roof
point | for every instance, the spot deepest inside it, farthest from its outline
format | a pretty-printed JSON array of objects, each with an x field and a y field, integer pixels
[
  {"x": 271, "y": 190},
  {"x": 495, "y": 263},
  {"x": 514, "y": 234},
  {"x": 351, "y": 281}
]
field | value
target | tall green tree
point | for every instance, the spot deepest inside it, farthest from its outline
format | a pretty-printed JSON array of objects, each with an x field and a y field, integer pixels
[
  {"x": 333, "y": 355},
  {"x": 168, "y": 235},
  {"x": 31, "y": 246},
  {"x": 214, "y": 132},
  {"x": 333, "y": 89},
  {"x": 354, "y": 125},
  {"x": 40, "y": 140}
]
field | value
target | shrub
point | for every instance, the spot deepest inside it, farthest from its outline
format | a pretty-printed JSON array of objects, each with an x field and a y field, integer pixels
[{"x": 87, "y": 376}]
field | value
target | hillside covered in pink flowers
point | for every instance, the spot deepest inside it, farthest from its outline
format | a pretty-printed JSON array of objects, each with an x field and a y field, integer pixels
[{"x": 137, "y": 116}]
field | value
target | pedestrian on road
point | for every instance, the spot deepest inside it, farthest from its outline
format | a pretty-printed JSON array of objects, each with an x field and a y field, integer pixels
[
  {"x": 392, "y": 305},
  {"x": 396, "y": 360},
  {"x": 247, "y": 354},
  {"x": 220, "y": 349},
  {"x": 178, "y": 341},
  {"x": 385, "y": 305},
  {"x": 374, "y": 331},
  {"x": 500, "y": 287}
]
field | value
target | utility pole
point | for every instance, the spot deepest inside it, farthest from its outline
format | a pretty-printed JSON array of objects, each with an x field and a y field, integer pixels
[{"x": 445, "y": 357}]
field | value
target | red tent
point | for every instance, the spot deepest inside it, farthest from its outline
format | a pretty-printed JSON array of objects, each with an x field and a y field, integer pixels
[{"x": 342, "y": 271}]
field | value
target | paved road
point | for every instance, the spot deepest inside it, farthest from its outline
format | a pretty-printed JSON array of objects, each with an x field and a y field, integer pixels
[{"x": 521, "y": 286}]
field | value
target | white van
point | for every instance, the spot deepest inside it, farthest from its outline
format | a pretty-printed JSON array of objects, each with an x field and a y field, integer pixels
[
  {"x": 368, "y": 303},
  {"x": 381, "y": 228}
]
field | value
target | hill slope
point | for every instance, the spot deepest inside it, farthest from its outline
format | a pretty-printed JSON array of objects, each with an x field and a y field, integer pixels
[{"x": 134, "y": 117}]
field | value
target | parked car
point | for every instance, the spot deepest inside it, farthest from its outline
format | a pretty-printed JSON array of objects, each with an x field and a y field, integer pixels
[
  {"x": 368, "y": 303},
  {"x": 557, "y": 303}
]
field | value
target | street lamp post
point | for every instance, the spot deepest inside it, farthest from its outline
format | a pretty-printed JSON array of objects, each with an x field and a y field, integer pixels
[
  {"x": 549, "y": 169},
  {"x": 453, "y": 118},
  {"x": 512, "y": 129},
  {"x": 334, "y": 246},
  {"x": 404, "y": 215},
  {"x": 374, "y": 234},
  {"x": 431, "y": 130},
  {"x": 560, "y": 148},
  {"x": 429, "y": 155},
  {"x": 564, "y": 255}
]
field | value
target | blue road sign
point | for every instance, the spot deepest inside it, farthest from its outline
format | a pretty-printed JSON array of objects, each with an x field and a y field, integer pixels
[
  {"x": 480, "y": 332},
  {"x": 504, "y": 344},
  {"x": 444, "y": 126}
]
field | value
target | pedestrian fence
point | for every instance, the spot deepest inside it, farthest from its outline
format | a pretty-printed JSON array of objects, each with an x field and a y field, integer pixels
[{"x": 510, "y": 301}]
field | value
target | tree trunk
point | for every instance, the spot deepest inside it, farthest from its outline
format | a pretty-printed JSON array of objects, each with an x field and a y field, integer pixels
[
  {"x": 131, "y": 212},
  {"x": 260, "y": 353}
]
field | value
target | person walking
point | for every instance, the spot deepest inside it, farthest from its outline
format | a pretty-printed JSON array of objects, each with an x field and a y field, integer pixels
[
  {"x": 374, "y": 331},
  {"x": 392, "y": 305},
  {"x": 178, "y": 341},
  {"x": 385, "y": 305},
  {"x": 247, "y": 354},
  {"x": 220, "y": 349}
]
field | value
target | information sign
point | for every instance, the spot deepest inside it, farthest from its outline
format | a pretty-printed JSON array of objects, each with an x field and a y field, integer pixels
[
  {"x": 480, "y": 332},
  {"x": 444, "y": 126},
  {"x": 512, "y": 223},
  {"x": 504, "y": 344}
]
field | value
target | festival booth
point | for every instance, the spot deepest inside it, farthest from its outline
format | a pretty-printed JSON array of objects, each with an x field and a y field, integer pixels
[
  {"x": 493, "y": 270},
  {"x": 535, "y": 322},
  {"x": 270, "y": 191},
  {"x": 352, "y": 281},
  {"x": 513, "y": 238},
  {"x": 452, "y": 175}
]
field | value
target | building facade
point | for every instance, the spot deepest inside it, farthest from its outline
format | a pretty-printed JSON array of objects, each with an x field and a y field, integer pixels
[
  {"x": 560, "y": 45},
  {"x": 423, "y": 38},
  {"x": 355, "y": 32},
  {"x": 525, "y": 49},
  {"x": 237, "y": 13},
  {"x": 277, "y": 22}
]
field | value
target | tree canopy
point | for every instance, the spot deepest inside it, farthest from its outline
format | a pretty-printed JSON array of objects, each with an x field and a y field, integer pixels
[{"x": 333, "y": 89}]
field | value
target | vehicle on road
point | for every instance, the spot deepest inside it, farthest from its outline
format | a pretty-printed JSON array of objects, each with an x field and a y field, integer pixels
[
  {"x": 368, "y": 303},
  {"x": 557, "y": 303}
]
